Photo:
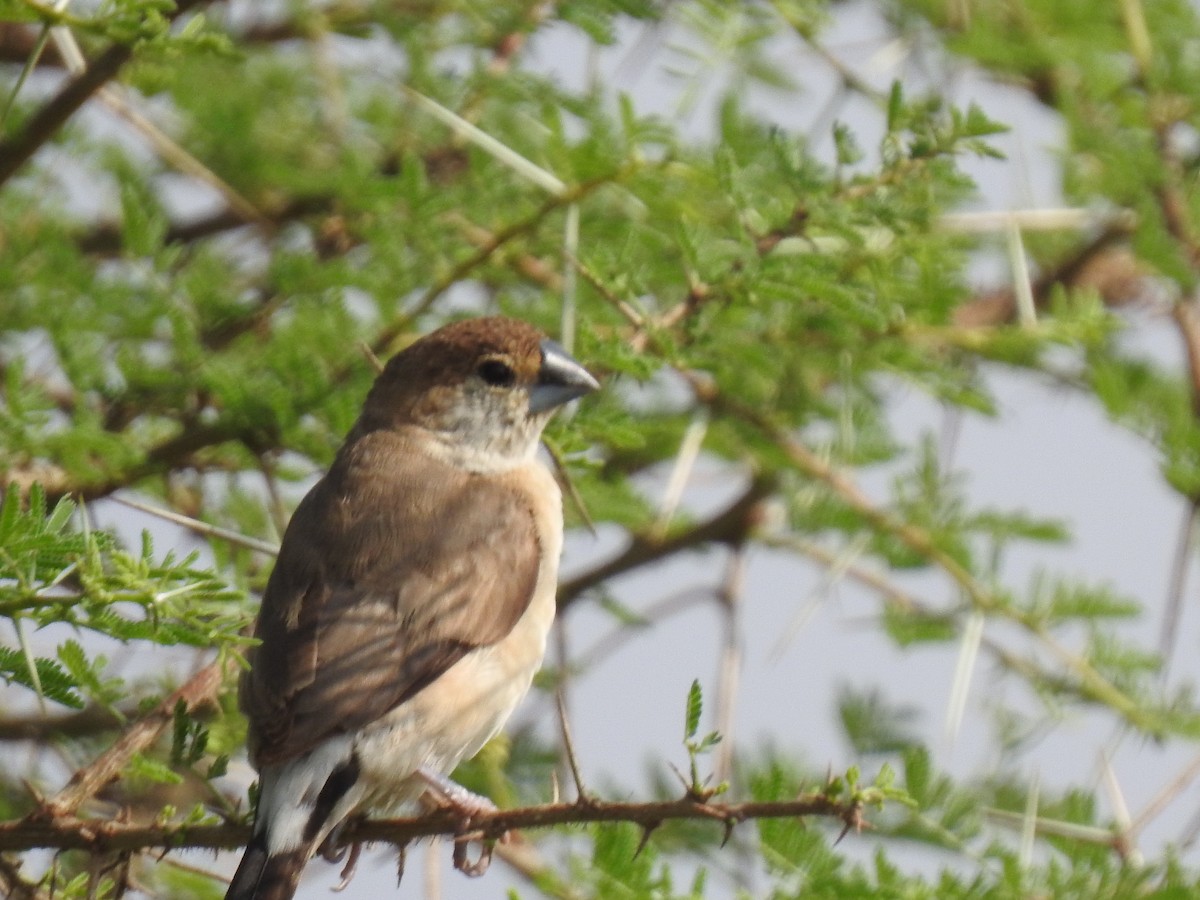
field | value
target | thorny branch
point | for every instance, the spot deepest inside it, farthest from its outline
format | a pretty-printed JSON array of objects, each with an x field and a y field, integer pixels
[{"x": 108, "y": 836}]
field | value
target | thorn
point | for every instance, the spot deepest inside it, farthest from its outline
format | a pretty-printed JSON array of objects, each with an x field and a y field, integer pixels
[
  {"x": 39, "y": 799},
  {"x": 370, "y": 356},
  {"x": 648, "y": 829},
  {"x": 687, "y": 787},
  {"x": 729, "y": 826},
  {"x": 586, "y": 801},
  {"x": 554, "y": 795},
  {"x": 852, "y": 819},
  {"x": 401, "y": 858}
]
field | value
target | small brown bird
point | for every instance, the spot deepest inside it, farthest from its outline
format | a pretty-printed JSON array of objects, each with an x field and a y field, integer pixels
[{"x": 408, "y": 610}]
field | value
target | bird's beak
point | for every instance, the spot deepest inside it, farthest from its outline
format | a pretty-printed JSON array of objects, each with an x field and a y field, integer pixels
[{"x": 560, "y": 380}]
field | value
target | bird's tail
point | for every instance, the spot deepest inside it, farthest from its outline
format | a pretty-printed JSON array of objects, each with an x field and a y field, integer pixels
[{"x": 260, "y": 876}]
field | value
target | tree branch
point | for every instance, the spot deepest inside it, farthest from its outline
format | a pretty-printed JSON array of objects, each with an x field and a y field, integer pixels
[
  {"x": 1103, "y": 264},
  {"x": 1088, "y": 682},
  {"x": 199, "y": 689},
  {"x": 86, "y": 722},
  {"x": 107, "y": 836},
  {"x": 730, "y": 526},
  {"x": 46, "y": 122}
]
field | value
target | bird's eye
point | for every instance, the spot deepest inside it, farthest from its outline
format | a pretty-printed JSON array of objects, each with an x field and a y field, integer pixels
[{"x": 496, "y": 373}]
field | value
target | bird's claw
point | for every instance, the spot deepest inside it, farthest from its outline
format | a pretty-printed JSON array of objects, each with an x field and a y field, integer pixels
[
  {"x": 329, "y": 849},
  {"x": 466, "y": 866},
  {"x": 347, "y": 874},
  {"x": 467, "y": 805}
]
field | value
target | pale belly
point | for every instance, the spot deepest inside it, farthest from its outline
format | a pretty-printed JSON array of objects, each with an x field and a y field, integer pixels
[{"x": 452, "y": 718}]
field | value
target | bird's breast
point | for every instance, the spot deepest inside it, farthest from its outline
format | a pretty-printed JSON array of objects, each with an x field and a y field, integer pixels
[{"x": 454, "y": 716}]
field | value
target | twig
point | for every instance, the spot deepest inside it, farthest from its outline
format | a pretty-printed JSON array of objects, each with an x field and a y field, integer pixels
[
  {"x": 276, "y": 506},
  {"x": 463, "y": 268},
  {"x": 201, "y": 688},
  {"x": 1090, "y": 683},
  {"x": 86, "y": 722},
  {"x": 1169, "y": 792},
  {"x": 730, "y": 526},
  {"x": 160, "y": 458},
  {"x": 14, "y": 887},
  {"x": 560, "y": 702},
  {"x": 197, "y": 526},
  {"x": 523, "y": 858},
  {"x": 657, "y": 612},
  {"x": 1188, "y": 321},
  {"x": 563, "y": 476}
]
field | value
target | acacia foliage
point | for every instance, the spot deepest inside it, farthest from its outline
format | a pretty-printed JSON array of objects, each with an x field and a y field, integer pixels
[{"x": 183, "y": 322}]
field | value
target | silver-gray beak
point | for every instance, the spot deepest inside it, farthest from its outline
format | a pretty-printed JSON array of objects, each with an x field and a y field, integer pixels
[{"x": 560, "y": 380}]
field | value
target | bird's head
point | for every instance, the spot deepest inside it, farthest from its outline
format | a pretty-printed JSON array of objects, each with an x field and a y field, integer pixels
[{"x": 483, "y": 389}]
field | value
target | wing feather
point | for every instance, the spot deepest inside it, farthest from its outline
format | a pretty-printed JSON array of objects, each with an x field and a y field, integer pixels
[{"x": 384, "y": 582}]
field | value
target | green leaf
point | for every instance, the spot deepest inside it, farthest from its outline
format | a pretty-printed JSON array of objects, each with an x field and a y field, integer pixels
[
  {"x": 56, "y": 684},
  {"x": 144, "y": 768},
  {"x": 695, "y": 706}
]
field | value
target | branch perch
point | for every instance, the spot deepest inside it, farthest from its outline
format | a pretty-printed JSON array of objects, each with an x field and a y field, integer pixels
[{"x": 70, "y": 833}]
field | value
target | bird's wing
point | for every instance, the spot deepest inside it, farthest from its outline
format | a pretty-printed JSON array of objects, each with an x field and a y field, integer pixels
[{"x": 388, "y": 575}]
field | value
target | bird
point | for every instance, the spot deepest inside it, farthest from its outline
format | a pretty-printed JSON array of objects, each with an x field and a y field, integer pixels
[{"x": 410, "y": 603}]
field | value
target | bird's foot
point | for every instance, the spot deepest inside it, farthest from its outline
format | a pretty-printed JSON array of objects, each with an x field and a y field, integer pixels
[
  {"x": 347, "y": 874},
  {"x": 448, "y": 794},
  {"x": 332, "y": 852},
  {"x": 481, "y": 863}
]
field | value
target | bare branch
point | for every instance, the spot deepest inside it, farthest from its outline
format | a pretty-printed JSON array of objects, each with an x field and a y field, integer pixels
[{"x": 111, "y": 836}]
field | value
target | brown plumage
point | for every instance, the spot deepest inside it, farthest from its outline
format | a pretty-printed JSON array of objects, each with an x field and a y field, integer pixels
[
  {"x": 408, "y": 608},
  {"x": 369, "y": 619}
]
